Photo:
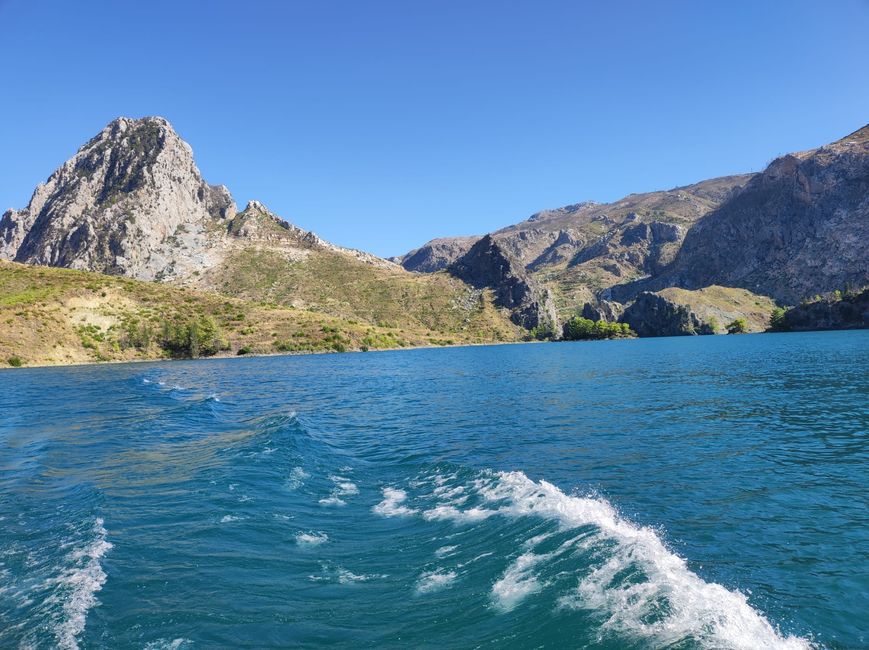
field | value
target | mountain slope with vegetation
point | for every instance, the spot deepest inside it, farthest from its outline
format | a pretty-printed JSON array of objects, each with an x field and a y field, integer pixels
[
  {"x": 132, "y": 202},
  {"x": 58, "y": 316}
]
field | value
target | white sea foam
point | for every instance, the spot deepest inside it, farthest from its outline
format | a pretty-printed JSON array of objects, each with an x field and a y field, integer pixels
[
  {"x": 391, "y": 504},
  {"x": 76, "y": 587},
  {"x": 296, "y": 479},
  {"x": 699, "y": 609},
  {"x": 693, "y": 608},
  {"x": 169, "y": 644},
  {"x": 311, "y": 538},
  {"x": 432, "y": 581},
  {"x": 226, "y": 519},
  {"x": 335, "y": 573},
  {"x": 443, "y": 551},
  {"x": 518, "y": 582},
  {"x": 344, "y": 486},
  {"x": 332, "y": 500},
  {"x": 452, "y": 513}
]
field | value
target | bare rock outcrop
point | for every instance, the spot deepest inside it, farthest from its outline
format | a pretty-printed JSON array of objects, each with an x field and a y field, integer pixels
[
  {"x": 849, "y": 311},
  {"x": 130, "y": 202},
  {"x": 799, "y": 228},
  {"x": 654, "y": 315},
  {"x": 436, "y": 255},
  {"x": 488, "y": 264}
]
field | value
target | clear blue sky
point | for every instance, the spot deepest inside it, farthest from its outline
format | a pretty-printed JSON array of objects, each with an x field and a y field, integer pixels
[{"x": 380, "y": 125}]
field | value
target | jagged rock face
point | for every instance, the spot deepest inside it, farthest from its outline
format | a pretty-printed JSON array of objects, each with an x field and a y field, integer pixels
[
  {"x": 487, "y": 264},
  {"x": 437, "y": 254},
  {"x": 798, "y": 229},
  {"x": 130, "y": 202},
  {"x": 604, "y": 310},
  {"x": 257, "y": 224},
  {"x": 849, "y": 312},
  {"x": 566, "y": 243},
  {"x": 654, "y": 315}
]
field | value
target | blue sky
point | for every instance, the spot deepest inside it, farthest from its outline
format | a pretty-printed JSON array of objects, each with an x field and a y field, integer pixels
[{"x": 380, "y": 125}]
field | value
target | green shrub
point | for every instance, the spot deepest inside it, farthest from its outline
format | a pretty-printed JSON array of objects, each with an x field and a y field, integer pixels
[
  {"x": 15, "y": 361},
  {"x": 580, "y": 329},
  {"x": 246, "y": 349},
  {"x": 199, "y": 337},
  {"x": 777, "y": 319},
  {"x": 737, "y": 326}
]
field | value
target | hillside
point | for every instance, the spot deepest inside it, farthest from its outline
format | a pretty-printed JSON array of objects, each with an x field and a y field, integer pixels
[
  {"x": 799, "y": 228},
  {"x": 132, "y": 202},
  {"x": 55, "y": 316},
  {"x": 834, "y": 311}
]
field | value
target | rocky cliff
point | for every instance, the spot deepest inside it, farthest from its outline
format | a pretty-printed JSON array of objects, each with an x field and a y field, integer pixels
[
  {"x": 799, "y": 228},
  {"x": 834, "y": 312},
  {"x": 488, "y": 264},
  {"x": 654, "y": 315},
  {"x": 436, "y": 255},
  {"x": 130, "y": 202}
]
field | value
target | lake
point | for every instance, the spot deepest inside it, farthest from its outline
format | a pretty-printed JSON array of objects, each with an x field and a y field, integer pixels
[{"x": 696, "y": 492}]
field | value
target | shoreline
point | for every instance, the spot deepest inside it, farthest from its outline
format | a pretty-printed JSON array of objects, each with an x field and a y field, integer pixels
[
  {"x": 396, "y": 349},
  {"x": 260, "y": 355}
]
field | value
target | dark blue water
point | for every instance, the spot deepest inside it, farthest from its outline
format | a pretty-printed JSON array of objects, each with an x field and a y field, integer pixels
[{"x": 684, "y": 493}]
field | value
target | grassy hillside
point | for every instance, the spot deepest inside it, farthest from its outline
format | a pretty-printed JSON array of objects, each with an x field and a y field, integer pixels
[
  {"x": 57, "y": 316},
  {"x": 723, "y": 305},
  {"x": 341, "y": 286}
]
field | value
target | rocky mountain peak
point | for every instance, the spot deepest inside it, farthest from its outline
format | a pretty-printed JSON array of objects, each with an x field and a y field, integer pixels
[{"x": 131, "y": 201}]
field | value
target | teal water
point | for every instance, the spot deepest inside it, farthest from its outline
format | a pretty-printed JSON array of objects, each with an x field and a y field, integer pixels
[{"x": 663, "y": 493}]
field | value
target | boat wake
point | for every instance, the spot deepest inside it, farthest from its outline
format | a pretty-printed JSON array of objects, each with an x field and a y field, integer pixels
[{"x": 621, "y": 572}]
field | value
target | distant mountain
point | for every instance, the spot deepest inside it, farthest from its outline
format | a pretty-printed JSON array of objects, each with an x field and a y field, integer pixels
[
  {"x": 132, "y": 202},
  {"x": 799, "y": 228}
]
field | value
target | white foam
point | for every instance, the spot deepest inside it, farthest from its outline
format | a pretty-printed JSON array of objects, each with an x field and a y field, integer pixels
[
  {"x": 706, "y": 612},
  {"x": 452, "y": 513},
  {"x": 296, "y": 479},
  {"x": 334, "y": 573},
  {"x": 343, "y": 486},
  {"x": 432, "y": 581},
  {"x": 443, "y": 551},
  {"x": 517, "y": 583},
  {"x": 226, "y": 519},
  {"x": 391, "y": 504},
  {"x": 166, "y": 644},
  {"x": 76, "y": 588},
  {"x": 311, "y": 538},
  {"x": 332, "y": 500},
  {"x": 699, "y": 609}
]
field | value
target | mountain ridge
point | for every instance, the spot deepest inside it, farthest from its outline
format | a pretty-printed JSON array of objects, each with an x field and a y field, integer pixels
[{"x": 132, "y": 202}]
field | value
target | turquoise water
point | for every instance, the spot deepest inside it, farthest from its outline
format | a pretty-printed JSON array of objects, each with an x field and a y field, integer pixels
[{"x": 682, "y": 493}]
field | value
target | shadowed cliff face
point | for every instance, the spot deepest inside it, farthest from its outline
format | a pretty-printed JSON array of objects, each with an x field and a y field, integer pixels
[
  {"x": 847, "y": 312},
  {"x": 799, "y": 228},
  {"x": 487, "y": 264}
]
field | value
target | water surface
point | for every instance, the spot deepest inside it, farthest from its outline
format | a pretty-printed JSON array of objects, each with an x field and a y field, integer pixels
[{"x": 683, "y": 493}]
